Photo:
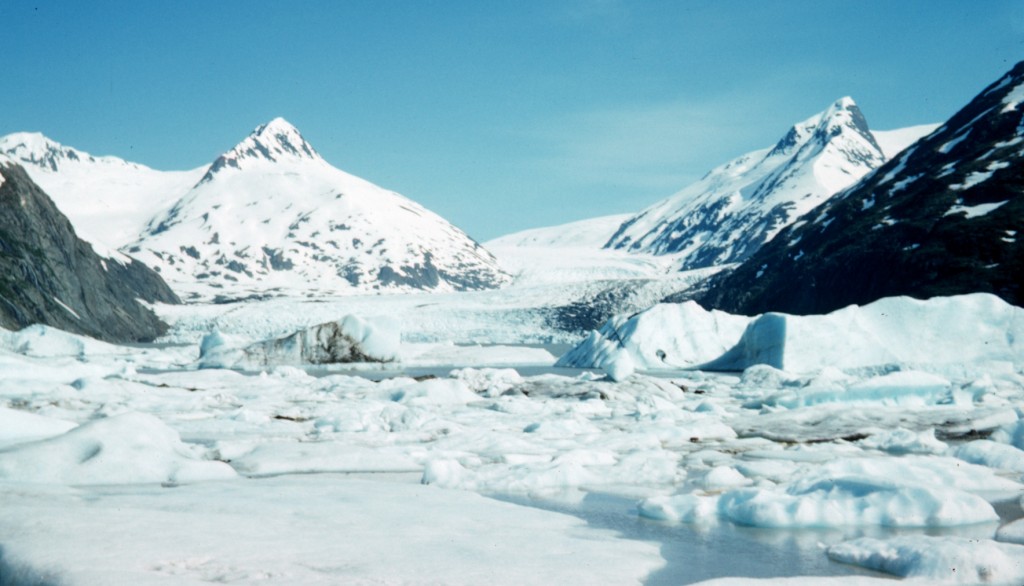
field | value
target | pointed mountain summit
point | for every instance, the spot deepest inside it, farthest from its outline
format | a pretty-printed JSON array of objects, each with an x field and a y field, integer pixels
[
  {"x": 32, "y": 149},
  {"x": 273, "y": 142},
  {"x": 272, "y": 216},
  {"x": 108, "y": 200},
  {"x": 944, "y": 217},
  {"x": 737, "y": 207}
]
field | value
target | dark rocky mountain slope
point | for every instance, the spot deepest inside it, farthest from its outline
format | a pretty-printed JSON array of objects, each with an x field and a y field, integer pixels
[
  {"x": 944, "y": 217},
  {"x": 49, "y": 276}
]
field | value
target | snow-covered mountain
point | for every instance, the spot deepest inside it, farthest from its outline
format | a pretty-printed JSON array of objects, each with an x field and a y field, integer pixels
[
  {"x": 272, "y": 214},
  {"x": 589, "y": 233},
  {"x": 573, "y": 253},
  {"x": 893, "y": 142},
  {"x": 737, "y": 207},
  {"x": 108, "y": 200},
  {"x": 945, "y": 217}
]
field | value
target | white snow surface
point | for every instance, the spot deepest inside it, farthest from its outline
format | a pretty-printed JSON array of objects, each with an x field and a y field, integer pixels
[
  {"x": 975, "y": 328},
  {"x": 271, "y": 215},
  {"x": 21, "y": 426},
  {"x": 912, "y": 491},
  {"x": 128, "y": 465},
  {"x": 44, "y": 341},
  {"x": 992, "y": 454},
  {"x": 589, "y": 233},
  {"x": 938, "y": 560},
  {"x": 306, "y": 530},
  {"x": 123, "y": 449},
  {"x": 904, "y": 441},
  {"x": 1013, "y": 99},
  {"x": 800, "y": 581},
  {"x": 893, "y": 142},
  {"x": 726, "y": 216},
  {"x": 975, "y": 211},
  {"x": 1012, "y": 532},
  {"x": 574, "y": 253},
  {"x": 108, "y": 200},
  {"x": 664, "y": 336}
]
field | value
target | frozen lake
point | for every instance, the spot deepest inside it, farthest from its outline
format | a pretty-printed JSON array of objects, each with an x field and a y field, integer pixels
[{"x": 483, "y": 463}]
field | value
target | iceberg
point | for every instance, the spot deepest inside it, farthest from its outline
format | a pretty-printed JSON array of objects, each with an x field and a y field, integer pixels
[
  {"x": 351, "y": 339},
  {"x": 946, "y": 560},
  {"x": 662, "y": 337},
  {"x": 977, "y": 328}
]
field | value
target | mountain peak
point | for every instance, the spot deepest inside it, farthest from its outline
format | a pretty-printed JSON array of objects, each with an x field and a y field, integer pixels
[
  {"x": 842, "y": 116},
  {"x": 737, "y": 207},
  {"x": 845, "y": 114},
  {"x": 277, "y": 126},
  {"x": 274, "y": 142},
  {"x": 843, "y": 111},
  {"x": 33, "y": 148},
  {"x": 941, "y": 218}
]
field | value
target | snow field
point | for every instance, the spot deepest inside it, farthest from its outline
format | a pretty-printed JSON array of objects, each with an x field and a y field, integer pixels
[
  {"x": 946, "y": 560},
  {"x": 320, "y": 529},
  {"x": 125, "y": 449},
  {"x": 87, "y": 430},
  {"x": 109, "y": 200}
]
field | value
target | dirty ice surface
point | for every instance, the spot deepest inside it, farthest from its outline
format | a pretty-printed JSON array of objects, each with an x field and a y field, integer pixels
[{"x": 133, "y": 465}]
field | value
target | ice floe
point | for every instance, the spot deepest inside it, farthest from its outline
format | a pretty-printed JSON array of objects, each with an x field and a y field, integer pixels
[
  {"x": 128, "y": 448},
  {"x": 939, "y": 560},
  {"x": 977, "y": 328},
  {"x": 350, "y": 339},
  {"x": 912, "y": 438},
  {"x": 665, "y": 336},
  {"x": 20, "y": 426},
  {"x": 913, "y": 491}
]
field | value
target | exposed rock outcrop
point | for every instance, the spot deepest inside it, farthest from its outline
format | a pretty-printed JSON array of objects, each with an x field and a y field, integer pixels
[
  {"x": 945, "y": 217},
  {"x": 50, "y": 276}
]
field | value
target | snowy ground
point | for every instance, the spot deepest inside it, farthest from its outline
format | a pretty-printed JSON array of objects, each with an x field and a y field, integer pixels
[{"x": 129, "y": 465}]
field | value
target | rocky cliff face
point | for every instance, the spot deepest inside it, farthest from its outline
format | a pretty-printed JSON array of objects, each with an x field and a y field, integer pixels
[
  {"x": 50, "y": 276},
  {"x": 945, "y": 217}
]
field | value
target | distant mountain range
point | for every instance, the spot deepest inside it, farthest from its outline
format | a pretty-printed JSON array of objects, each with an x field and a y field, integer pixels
[
  {"x": 269, "y": 215},
  {"x": 833, "y": 213},
  {"x": 944, "y": 217},
  {"x": 737, "y": 207}
]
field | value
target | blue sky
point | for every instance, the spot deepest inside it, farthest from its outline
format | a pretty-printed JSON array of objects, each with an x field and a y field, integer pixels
[{"x": 499, "y": 115}]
